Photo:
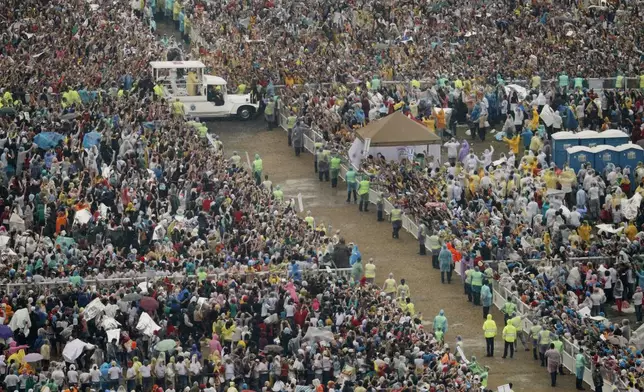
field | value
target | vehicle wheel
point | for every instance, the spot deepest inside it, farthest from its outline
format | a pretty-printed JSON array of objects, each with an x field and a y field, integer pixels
[{"x": 245, "y": 113}]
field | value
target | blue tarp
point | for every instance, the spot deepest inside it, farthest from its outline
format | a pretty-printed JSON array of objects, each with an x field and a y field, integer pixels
[
  {"x": 47, "y": 140},
  {"x": 570, "y": 118},
  {"x": 91, "y": 139}
]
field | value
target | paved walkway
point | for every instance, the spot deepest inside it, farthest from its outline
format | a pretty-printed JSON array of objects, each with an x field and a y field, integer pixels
[{"x": 295, "y": 175}]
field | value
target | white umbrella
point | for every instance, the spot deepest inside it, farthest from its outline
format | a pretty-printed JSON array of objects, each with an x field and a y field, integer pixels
[
  {"x": 144, "y": 286},
  {"x": 114, "y": 334},
  {"x": 93, "y": 309},
  {"x": 74, "y": 349},
  {"x": 109, "y": 323},
  {"x": 82, "y": 217},
  {"x": 146, "y": 325},
  {"x": 20, "y": 320}
]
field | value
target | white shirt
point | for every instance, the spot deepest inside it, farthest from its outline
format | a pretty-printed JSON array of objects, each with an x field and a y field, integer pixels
[
  {"x": 145, "y": 371},
  {"x": 72, "y": 376},
  {"x": 114, "y": 372},
  {"x": 290, "y": 310},
  {"x": 95, "y": 375}
]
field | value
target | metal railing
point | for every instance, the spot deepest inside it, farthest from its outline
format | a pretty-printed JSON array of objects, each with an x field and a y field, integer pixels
[
  {"x": 500, "y": 293},
  {"x": 339, "y": 272}
]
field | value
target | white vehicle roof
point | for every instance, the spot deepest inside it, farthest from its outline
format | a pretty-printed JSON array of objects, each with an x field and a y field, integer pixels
[
  {"x": 216, "y": 80},
  {"x": 176, "y": 64}
]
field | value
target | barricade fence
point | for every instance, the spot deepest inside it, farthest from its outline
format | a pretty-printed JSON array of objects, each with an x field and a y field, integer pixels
[
  {"x": 153, "y": 277},
  {"x": 500, "y": 293}
]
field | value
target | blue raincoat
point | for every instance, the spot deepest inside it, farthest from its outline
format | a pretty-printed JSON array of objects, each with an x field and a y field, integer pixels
[{"x": 355, "y": 255}]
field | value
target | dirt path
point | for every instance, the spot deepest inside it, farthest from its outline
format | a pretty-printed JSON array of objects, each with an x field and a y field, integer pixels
[{"x": 400, "y": 257}]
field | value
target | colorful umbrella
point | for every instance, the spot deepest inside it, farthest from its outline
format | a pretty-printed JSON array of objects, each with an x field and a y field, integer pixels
[
  {"x": 165, "y": 345},
  {"x": 5, "y": 332},
  {"x": 149, "y": 304}
]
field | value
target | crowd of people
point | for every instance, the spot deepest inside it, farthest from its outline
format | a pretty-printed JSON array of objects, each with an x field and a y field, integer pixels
[
  {"x": 517, "y": 205},
  {"x": 101, "y": 185},
  {"x": 285, "y": 42}
]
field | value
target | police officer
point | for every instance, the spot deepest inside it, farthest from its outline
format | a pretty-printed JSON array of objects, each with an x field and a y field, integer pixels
[
  {"x": 534, "y": 334},
  {"x": 396, "y": 221},
  {"x": 509, "y": 307},
  {"x": 544, "y": 342},
  {"x": 309, "y": 219},
  {"x": 489, "y": 331},
  {"x": 290, "y": 124},
  {"x": 323, "y": 165},
  {"x": 516, "y": 321},
  {"x": 278, "y": 194},
  {"x": 352, "y": 185},
  {"x": 178, "y": 109},
  {"x": 363, "y": 192},
  {"x": 258, "y": 166},
  {"x": 509, "y": 336},
  {"x": 468, "y": 283},
  {"x": 477, "y": 282},
  {"x": 335, "y": 169}
]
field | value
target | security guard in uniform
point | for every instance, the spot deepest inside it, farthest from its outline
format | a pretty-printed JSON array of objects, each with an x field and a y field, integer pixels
[
  {"x": 258, "y": 166},
  {"x": 509, "y": 336},
  {"x": 396, "y": 221},
  {"x": 278, "y": 194},
  {"x": 310, "y": 220},
  {"x": 363, "y": 192},
  {"x": 544, "y": 342},
  {"x": 489, "y": 331},
  {"x": 477, "y": 282},
  {"x": 177, "y": 108},
  {"x": 534, "y": 334},
  {"x": 290, "y": 124},
  {"x": 516, "y": 321},
  {"x": 468, "y": 284},
  {"x": 335, "y": 170},
  {"x": 158, "y": 91},
  {"x": 508, "y": 309},
  {"x": 236, "y": 159}
]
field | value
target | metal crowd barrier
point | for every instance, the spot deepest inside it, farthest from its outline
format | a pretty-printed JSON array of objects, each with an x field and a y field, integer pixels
[
  {"x": 340, "y": 272},
  {"x": 500, "y": 293}
]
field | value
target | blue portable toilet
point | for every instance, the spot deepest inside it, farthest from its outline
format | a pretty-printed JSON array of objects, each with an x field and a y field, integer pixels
[
  {"x": 578, "y": 156},
  {"x": 590, "y": 138},
  {"x": 562, "y": 141},
  {"x": 630, "y": 155},
  {"x": 614, "y": 137},
  {"x": 604, "y": 155}
]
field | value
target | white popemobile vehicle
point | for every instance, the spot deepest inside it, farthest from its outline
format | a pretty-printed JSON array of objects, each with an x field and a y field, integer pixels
[{"x": 203, "y": 96}]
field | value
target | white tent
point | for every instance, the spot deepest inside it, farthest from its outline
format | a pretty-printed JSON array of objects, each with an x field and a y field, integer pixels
[{"x": 395, "y": 137}]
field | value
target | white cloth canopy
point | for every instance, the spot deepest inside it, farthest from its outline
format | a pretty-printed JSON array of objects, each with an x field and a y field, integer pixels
[{"x": 146, "y": 325}]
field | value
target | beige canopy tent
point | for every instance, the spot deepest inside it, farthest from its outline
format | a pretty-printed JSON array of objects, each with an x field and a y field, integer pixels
[
  {"x": 395, "y": 137},
  {"x": 397, "y": 130}
]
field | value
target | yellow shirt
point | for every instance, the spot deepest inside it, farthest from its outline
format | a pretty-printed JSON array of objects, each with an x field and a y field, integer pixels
[
  {"x": 370, "y": 271},
  {"x": 390, "y": 286}
]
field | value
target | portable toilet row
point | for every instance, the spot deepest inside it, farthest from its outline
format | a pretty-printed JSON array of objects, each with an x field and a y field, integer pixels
[
  {"x": 600, "y": 156},
  {"x": 562, "y": 141}
]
